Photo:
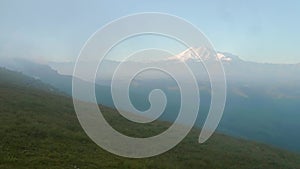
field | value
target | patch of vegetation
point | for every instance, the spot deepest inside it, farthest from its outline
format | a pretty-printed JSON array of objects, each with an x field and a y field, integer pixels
[{"x": 39, "y": 129}]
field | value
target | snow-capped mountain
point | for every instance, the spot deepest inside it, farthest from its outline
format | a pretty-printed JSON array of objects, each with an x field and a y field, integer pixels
[
  {"x": 257, "y": 92},
  {"x": 200, "y": 54}
]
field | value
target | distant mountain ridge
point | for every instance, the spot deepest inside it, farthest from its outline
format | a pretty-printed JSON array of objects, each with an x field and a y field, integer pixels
[{"x": 262, "y": 99}]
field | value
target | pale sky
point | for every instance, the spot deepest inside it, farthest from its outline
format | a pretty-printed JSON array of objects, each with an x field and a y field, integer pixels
[{"x": 257, "y": 30}]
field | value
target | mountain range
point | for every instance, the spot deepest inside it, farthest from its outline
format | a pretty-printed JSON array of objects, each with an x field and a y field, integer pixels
[{"x": 262, "y": 99}]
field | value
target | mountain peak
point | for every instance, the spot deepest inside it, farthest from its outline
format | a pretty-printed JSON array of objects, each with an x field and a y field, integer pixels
[{"x": 200, "y": 54}]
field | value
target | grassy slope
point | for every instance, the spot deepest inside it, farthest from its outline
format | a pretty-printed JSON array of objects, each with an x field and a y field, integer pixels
[{"x": 39, "y": 129}]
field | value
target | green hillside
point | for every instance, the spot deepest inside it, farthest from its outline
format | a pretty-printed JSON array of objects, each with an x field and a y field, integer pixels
[{"x": 39, "y": 129}]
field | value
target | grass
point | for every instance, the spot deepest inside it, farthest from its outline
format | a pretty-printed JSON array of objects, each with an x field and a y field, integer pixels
[{"x": 39, "y": 129}]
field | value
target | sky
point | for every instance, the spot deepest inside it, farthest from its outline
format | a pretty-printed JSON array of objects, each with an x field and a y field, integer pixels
[{"x": 55, "y": 31}]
